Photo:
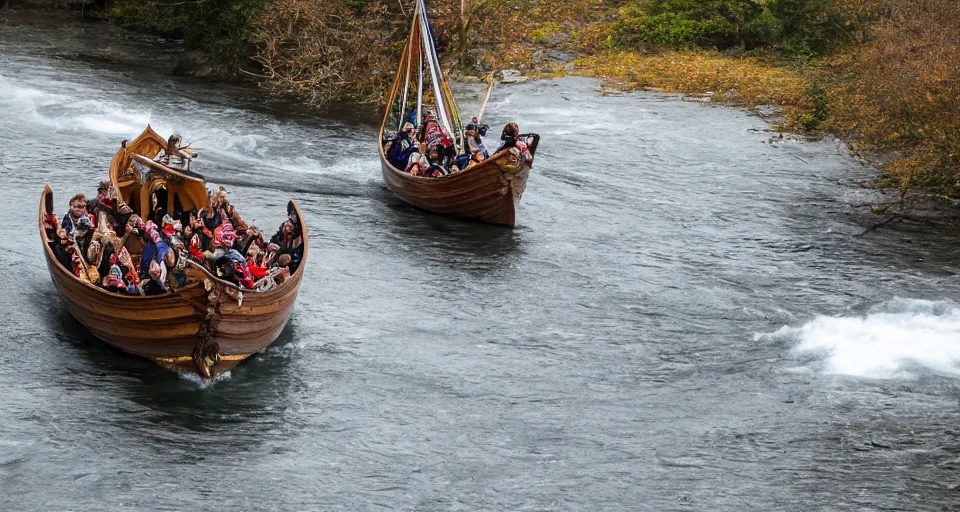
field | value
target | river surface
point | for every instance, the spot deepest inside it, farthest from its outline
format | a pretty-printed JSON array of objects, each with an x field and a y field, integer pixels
[{"x": 685, "y": 318}]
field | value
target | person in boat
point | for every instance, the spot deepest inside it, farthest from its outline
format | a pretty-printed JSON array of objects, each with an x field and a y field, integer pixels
[
  {"x": 431, "y": 132},
  {"x": 154, "y": 251},
  {"x": 479, "y": 127},
  {"x": 107, "y": 202},
  {"x": 79, "y": 248},
  {"x": 435, "y": 138},
  {"x": 170, "y": 232},
  {"x": 194, "y": 247},
  {"x": 436, "y": 168},
  {"x": 418, "y": 163},
  {"x": 287, "y": 240},
  {"x": 113, "y": 280},
  {"x": 253, "y": 238},
  {"x": 78, "y": 210},
  {"x": 172, "y": 235},
  {"x": 402, "y": 147},
  {"x": 226, "y": 260},
  {"x": 51, "y": 227},
  {"x": 58, "y": 240},
  {"x": 258, "y": 267},
  {"x": 285, "y": 263},
  {"x": 115, "y": 253},
  {"x": 476, "y": 152},
  {"x": 510, "y": 139},
  {"x": 175, "y": 156},
  {"x": 209, "y": 216},
  {"x": 62, "y": 251},
  {"x": 475, "y": 147}
]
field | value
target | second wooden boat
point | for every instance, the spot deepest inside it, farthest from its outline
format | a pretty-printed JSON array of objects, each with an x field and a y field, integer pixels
[{"x": 488, "y": 191}]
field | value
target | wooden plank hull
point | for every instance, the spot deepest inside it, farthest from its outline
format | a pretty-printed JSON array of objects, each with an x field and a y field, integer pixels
[
  {"x": 167, "y": 328},
  {"x": 489, "y": 191}
]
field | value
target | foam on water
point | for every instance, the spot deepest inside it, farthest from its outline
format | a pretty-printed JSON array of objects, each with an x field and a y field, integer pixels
[
  {"x": 202, "y": 383},
  {"x": 885, "y": 343}
]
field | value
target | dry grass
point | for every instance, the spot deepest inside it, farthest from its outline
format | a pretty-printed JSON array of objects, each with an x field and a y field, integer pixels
[
  {"x": 741, "y": 81},
  {"x": 900, "y": 92}
]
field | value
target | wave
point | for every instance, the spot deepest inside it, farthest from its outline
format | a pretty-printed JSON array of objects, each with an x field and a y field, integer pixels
[{"x": 892, "y": 340}]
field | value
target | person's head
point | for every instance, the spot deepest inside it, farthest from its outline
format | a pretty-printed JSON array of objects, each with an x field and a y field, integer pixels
[
  {"x": 434, "y": 155},
  {"x": 173, "y": 143},
  {"x": 78, "y": 205},
  {"x": 510, "y": 130},
  {"x": 407, "y": 128},
  {"x": 475, "y": 120},
  {"x": 50, "y": 222},
  {"x": 287, "y": 227},
  {"x": 284, "y": 260}
]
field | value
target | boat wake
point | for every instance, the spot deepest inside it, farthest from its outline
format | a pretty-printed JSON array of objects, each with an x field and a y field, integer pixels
[
  {"x": 202, "y": 383},
  {"x": 67, "y": 111},
  {"x": 894, "y": 340}
]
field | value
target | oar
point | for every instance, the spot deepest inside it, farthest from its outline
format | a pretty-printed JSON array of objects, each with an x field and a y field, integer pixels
[{"x": 486, "y": 97}]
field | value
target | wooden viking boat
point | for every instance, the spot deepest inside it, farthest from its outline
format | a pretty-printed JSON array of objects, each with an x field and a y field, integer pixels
[
  {"x": 488, "y": 191},
  {"x": 207, "y": 326}
]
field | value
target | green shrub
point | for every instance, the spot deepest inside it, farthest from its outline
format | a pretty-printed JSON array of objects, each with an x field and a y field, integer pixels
[
  {"x": 717, "y": 24},
  {"x": 802, "y": 28},
  {"x": 808, "y": 27}
]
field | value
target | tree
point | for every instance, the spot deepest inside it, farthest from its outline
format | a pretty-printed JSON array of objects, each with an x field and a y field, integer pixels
[{"x": 469, "y": 11}]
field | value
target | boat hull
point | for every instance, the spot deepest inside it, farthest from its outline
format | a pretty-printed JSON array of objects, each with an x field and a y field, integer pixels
[{"x": 489, "y": 191}]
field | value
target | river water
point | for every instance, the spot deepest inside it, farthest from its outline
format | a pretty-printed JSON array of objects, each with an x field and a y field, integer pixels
[{"x": 684, "y": 319}]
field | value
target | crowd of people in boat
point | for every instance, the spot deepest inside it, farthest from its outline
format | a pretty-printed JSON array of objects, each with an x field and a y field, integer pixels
[
  {"x": 429, "y": 151},
  {"x": 104, "y": 242}
]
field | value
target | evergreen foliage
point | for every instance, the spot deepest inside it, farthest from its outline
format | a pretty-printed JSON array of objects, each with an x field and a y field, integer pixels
[{"x": 801, "y": 27}]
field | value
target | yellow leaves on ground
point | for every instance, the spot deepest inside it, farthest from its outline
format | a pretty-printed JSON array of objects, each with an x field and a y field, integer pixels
[{"x": 740, "y": 80}]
